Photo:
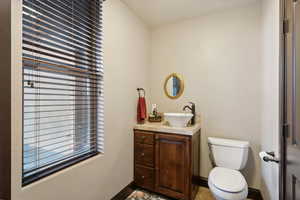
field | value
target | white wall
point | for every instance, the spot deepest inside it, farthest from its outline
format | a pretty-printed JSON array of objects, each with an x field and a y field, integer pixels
[
  {"x": 218, "y": 56},
  {"x": 270, "y": 98},
  {"x": 126, "y": 47}
]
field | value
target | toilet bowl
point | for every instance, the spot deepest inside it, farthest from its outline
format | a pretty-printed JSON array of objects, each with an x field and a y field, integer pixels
[
  {"x": 227, "y": 184},
  {"x": 225, "y": 181}
]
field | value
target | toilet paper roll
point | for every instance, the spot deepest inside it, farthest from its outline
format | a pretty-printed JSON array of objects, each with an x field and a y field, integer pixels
[
  {"x": 267, "y": 157},
  {"x": 263, "y": 154}
]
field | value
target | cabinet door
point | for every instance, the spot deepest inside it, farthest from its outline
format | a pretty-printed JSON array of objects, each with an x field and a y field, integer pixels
[{"x": 172, "y": 165}]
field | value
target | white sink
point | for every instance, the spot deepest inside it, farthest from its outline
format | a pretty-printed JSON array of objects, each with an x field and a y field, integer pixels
[{"x": 178, "y": 119}]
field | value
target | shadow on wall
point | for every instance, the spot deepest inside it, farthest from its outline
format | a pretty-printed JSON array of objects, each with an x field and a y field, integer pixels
[
  {"x": 264, "y": 189},
  {"x": 204, "y": 152},
  {"x": 250, "y": 168},
  {"x": 204, "y": 155}
]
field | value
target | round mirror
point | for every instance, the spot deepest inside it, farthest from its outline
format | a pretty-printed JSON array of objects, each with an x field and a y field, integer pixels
[{"x": 174, "y": 86}]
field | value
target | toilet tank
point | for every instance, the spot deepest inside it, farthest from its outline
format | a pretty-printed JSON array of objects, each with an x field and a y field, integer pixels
[{"x": 232, "y": 154}]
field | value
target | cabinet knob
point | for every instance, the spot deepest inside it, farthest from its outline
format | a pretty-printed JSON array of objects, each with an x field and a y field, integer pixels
[
  {"x": 142, "y": 154},
  {"x": 143, "y": 177}
]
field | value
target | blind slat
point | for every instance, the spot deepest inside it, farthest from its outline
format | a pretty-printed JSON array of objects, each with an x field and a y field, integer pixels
[
  {"x": 49, "y": 116},
  {"x": 61, "y": 69},
  {"x": 59, "y": 150},
  {"x": 61, "y": 45},
  {"x": 59, "y": 49},
  {"x": 82, "y": 67},
  {"x": 56, "y": 161},
  {"x": 39, "y": 14},
  {"x": 57, "y": 80},
  {"x": 61, "y": 136},
  {"x": 64, "y": 16},
  {"x": 61, "y": 37},
  {"x": 49, "y": 145}
]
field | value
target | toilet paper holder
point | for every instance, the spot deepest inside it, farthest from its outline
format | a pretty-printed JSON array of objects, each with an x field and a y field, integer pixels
[{"x": 270, "y": 157}]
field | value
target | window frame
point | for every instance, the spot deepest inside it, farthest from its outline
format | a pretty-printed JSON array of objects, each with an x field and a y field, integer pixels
[{"x": 65, "y": 162}]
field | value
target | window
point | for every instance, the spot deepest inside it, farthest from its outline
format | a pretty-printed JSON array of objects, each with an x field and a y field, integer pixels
[{"x": 62, "y": 84}]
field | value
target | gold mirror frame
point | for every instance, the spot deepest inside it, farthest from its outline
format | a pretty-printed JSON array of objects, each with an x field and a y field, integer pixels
[{"x": 181, "y": 86}]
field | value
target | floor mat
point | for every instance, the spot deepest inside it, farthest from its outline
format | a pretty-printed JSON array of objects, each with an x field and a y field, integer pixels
[{"x": 144, "y": 195}]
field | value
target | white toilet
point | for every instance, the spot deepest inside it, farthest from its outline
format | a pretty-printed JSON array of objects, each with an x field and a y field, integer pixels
[{"x": 225, "y": 181}]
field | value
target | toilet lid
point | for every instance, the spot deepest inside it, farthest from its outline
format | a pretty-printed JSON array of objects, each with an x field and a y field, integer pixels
[{"x": 227, "y": 180}]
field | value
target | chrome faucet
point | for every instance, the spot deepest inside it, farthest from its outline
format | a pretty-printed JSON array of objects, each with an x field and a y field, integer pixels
[{"x": 192, "y": 108}]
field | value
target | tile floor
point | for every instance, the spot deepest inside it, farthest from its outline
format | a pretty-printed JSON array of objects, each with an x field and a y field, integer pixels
[{"x": 203, "y": 194}]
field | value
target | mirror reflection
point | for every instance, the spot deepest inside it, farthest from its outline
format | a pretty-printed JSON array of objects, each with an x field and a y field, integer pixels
[{"x": 174, "y": 86}]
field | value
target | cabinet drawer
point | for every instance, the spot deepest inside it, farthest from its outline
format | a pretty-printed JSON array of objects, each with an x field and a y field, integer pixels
[
  {"x": 143, "y": 137},
  {"x": 144, "y": 177},
  {"x": 144, "y": 154}
]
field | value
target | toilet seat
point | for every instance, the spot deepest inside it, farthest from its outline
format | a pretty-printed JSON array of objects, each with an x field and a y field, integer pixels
[
  {"x": 227, "y": 180},
  {"x": 227, "y": 184}
]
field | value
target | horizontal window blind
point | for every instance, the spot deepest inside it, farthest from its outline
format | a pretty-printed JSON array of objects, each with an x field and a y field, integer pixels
[{"x": 62, "y": 84}]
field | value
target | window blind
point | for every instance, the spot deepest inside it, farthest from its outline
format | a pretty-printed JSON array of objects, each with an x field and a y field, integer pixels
[{"x": 62, "y": 84}]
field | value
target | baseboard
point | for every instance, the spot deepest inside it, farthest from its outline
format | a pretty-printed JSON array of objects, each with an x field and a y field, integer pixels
[
  {"x": 124, "y": 193},
  {"x": 201, "y": 181},
  {"x": 252, "y": 193}
]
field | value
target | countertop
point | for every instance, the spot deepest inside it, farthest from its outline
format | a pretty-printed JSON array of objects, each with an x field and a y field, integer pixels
[{"x": 164, "y": 128}]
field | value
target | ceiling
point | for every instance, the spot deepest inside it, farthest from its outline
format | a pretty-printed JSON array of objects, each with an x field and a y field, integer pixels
[{"x": 159, "y": 12}]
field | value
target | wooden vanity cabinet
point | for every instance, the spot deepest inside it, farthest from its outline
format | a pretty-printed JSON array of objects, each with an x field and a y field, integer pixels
[{"x": 165, "y": 163}]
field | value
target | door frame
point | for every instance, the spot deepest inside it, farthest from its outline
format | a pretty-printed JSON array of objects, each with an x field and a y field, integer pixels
[
  {"x": 282, "y": 103},
  {"x": 283, "y": 99}
]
